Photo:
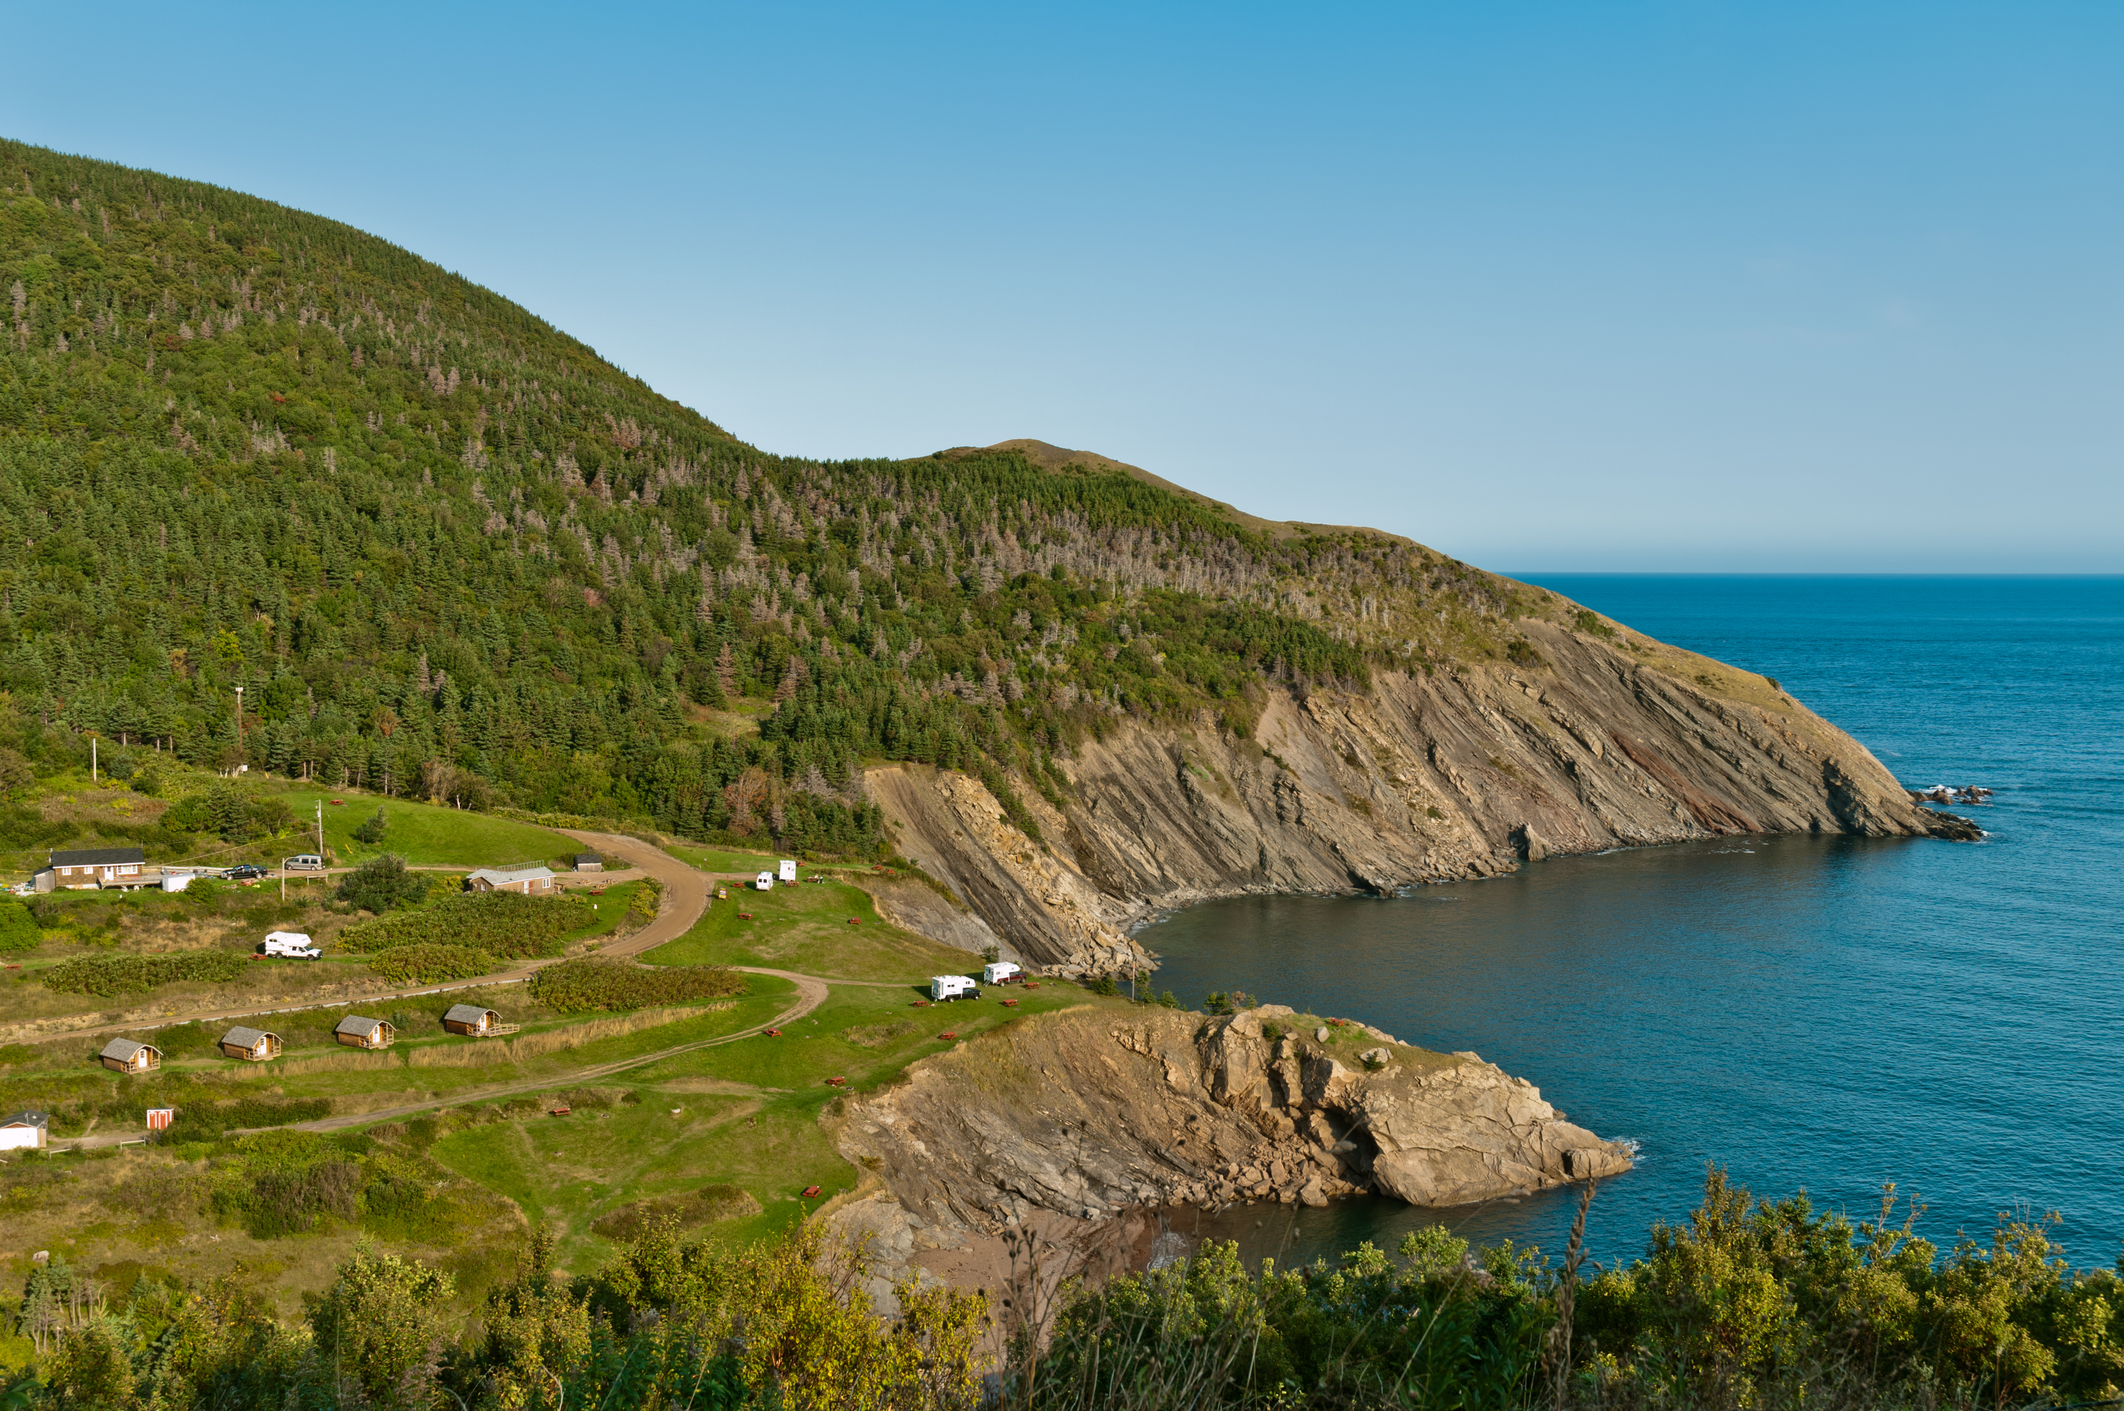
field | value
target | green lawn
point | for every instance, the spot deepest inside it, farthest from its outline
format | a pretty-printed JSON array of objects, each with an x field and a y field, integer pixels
[
  {"x": 723, "y": 860},
  {"x": 428, "y": 835},
  {"x": 805, "y": 928}
]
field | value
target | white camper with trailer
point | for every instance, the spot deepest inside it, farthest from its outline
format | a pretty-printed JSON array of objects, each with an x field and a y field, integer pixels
[
  {"x": 1000, "y": 972},
  {"x": 949, "y": 987},
  {"x": 788, "y": 872},
  {"x": 764, "y": 882},
  {"x": 291, "y": 943}
]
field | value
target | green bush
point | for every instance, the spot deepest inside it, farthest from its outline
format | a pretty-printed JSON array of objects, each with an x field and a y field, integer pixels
[
  {"x": 505, "y": 924},
  {"x": 107, "y": 975},
  {"x": 430, "y": 964},
  {"x": 371, "y": 829},
  {"x": 382, "y": 883},
  {"x": 196, "y": 1122},
  {"x": 18, "y": 928},
  {"x": 576, "y": 986}
]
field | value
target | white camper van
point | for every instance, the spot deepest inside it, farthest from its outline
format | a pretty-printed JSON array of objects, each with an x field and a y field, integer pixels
[
  {"x": 291, "y": 943},
  {"x": 1000, "y": 972},
  {"x": 947, "y": 987},
  {"x": 788, "y": 869},
  {"x": 765, "y": 881}
]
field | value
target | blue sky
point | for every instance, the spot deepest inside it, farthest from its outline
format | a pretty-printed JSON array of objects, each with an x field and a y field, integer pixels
[{"x": 1621, "y": 286}]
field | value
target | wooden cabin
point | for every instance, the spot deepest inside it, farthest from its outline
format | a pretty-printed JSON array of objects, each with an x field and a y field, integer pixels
[
  {"x": 125, "y": 1056},
  {"x": 589, "y": 862},
  {"x": 531, "y": 881},
  {"x": 94, "y": 867},
  {"x": 357, "y": 1032},
  {"x": 474, "y": 1022},
  {"x": 251, "y": 1045},
  {"x": 25, "y": 1131}
]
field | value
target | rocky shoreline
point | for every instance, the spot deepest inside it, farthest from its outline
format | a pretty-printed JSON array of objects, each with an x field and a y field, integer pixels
[
  {"x": 1090, "y": 1113},
  {"x": 1459, "y": 774}
]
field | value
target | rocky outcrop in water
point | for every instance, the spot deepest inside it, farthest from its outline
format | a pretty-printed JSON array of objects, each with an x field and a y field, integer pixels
[
  {"x": 1090, "y": 1111},
  {"x": 1611, "y": 740}
]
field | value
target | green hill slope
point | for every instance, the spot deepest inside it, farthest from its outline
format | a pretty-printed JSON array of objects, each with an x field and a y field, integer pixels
[{"x": 446, "y": 548}]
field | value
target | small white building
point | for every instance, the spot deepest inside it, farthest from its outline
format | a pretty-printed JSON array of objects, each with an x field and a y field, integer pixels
[
  {"x": 788, "y": 872},
  {"x": 25, "y": 1131},
  {"x": 531, "y": 881}
]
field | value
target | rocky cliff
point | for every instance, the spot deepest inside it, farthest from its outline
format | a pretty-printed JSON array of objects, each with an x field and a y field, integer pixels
[
  {"x": 1091, "y": 1111},
  {"x": 1599, "y": 738}
]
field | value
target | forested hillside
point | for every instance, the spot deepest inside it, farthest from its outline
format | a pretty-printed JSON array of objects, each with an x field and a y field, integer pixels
[{"x": 447, "y": 550}]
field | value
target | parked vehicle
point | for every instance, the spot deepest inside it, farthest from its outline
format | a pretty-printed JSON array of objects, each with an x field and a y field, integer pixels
[
  {"x": 788, "y": 870},
  {"x": 948, "y": 987},
  {"x": 248, "y": 872},
  {"x": 306, "y": 862},
  {"x": 293, "y": 944},
  {"x": 764, "y": 882},
  {"x": 1000, "y": 972}
]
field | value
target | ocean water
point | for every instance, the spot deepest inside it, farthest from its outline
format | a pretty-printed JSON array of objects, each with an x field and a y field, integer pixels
[{"x": 1826, "y": 1014}]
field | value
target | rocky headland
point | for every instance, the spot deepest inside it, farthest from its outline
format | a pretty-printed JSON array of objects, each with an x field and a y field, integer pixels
[
  {"x": 1603, "y": 738},
  {"x": 1088, "y": 1113}
]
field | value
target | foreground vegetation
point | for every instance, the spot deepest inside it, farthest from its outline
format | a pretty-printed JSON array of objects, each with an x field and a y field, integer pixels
[{"x": 1745, "y": 1305}]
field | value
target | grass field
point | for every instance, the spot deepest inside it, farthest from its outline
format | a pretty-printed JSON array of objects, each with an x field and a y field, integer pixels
[
  {"x": 723, "y": 859},
  {"x": 753, "y": 1113},
  {"x": 424, "y": 834},
  {"x": 805, "y": 928}
]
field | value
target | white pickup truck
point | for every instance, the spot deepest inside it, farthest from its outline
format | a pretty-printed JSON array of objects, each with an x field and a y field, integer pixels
[
  {"x": 293, "y": 944},
  {"x": 950, "y": 987}
]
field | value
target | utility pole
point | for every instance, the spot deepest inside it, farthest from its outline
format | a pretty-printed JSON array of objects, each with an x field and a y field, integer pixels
[
  {"x": 92, "y": 759},
  {"x": 239, "y": 723}
]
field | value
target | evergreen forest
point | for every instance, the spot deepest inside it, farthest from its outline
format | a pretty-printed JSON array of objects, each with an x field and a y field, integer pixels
[{"x": 280, "y": 494}]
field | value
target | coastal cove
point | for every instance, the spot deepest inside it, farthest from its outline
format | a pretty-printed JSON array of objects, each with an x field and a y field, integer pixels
[{"x": 1820, "y": 1012}]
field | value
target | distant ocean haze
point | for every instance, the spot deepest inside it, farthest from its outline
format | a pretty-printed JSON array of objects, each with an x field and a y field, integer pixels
[{"x": 1823, "y": 1013}]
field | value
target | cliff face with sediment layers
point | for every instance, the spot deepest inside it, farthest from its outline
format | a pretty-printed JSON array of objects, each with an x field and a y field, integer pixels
[
  {"x": 1611, "y": 740},
  {"x": 1091, "y": 1111}
]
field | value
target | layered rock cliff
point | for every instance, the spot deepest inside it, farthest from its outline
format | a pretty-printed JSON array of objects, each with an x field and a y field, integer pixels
[
  {"x": 1091, "y": 1111},
  {"x": 1601, "y": 738}
]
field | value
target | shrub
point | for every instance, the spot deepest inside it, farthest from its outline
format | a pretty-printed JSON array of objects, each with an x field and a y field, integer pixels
[
  {"x": 685, "y": 1212},
  {"x": 505, "y": 924},
  {"x": 18, "y": 928},
  {"x": 207, "y": 1121},
  {"x": 430, "y": 964},
  {"x": 575, "y": 986},
  {"x": 108, "y": 975},
  {"x": 382, "y": 883},
  {"x": 371, "y": 829}
]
